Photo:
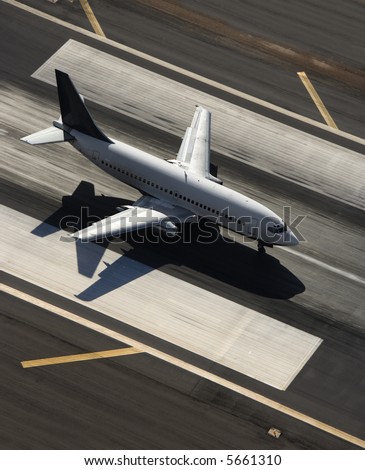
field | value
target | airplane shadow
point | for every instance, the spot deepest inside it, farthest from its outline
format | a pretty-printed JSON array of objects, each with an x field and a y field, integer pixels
[
  {"x": 114, "y": 276},
  {"x": 78, "y": 210},
  {"x": 231, "y": 263}
]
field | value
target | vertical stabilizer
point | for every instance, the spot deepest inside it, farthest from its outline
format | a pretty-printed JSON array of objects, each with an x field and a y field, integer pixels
[{"x": 73, "y": 110}]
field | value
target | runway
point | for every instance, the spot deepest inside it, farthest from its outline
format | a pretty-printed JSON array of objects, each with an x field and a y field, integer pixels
[
  {"x": 298, "y": 26},
  {"x": 318, "y": 293}
]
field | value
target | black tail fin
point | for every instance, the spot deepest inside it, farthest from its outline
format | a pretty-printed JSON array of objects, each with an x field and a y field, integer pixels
[{"x": 73, "y": 110}]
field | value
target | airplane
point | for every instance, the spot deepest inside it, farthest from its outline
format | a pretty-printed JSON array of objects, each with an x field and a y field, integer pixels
[{"x": 174, "y": 192}]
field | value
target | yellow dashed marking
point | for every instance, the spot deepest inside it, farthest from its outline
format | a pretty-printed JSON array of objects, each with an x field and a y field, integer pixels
[
  {"x": 185, "y": 366},
  {"x": 317, "y": 100},
  {"x": 91, "y": 17},
  {"x": 80, "y": 357}
]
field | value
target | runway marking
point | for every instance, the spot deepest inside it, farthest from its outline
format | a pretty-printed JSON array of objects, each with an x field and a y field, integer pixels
[
  {"x": 340, "y": 272},
  {"x": 80, "y": 357},
  {"x": 184, "y": 72},
  {"x": 317, "y": 100},
  {"x": 185, "y": 366},
  {"x": 92, "y": 18}
]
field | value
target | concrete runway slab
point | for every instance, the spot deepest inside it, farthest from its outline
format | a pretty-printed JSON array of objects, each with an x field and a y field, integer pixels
[
  {"x": 254, "y": 139},
  {"x": 161, "y": 305}
]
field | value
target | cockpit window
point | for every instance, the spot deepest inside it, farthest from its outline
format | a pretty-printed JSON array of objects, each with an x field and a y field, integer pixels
[{"x": 278, "y": 228}]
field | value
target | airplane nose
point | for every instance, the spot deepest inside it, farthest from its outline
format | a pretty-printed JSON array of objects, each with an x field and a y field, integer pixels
[{"x": 292, "y": 240}]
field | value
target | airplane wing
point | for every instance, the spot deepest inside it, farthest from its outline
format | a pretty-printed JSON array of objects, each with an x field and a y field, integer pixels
[
  {"x": 194, "y": 152},
  {"x": 144, "y": 213}
]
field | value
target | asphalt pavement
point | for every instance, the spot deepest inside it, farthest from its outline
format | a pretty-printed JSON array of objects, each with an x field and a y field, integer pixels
[{"x": 140, "y": 402}]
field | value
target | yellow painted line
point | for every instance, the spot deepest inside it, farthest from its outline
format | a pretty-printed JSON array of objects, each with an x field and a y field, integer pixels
[
  {"x": 92, "y": 18},
  {"x": 185, "y": 366},
  {"x": 317, "y": 100},
  {"x": 181, "y": 71},
  {"x": 79, "y": 357}
]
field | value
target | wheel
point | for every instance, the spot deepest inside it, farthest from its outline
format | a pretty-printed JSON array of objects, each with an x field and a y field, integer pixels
[
  {"x": 261, "y": 250},
  {"x": 261, "y": 247}
]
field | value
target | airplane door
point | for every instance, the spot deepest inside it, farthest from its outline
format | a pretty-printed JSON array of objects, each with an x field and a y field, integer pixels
[{"x": 253, "y": 228}]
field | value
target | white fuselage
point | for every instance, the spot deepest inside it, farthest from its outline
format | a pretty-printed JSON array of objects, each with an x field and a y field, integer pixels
[{"x": 170, "y": 182}]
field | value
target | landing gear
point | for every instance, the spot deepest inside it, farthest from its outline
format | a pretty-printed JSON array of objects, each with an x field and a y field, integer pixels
[{"x": 261, "y": 247}]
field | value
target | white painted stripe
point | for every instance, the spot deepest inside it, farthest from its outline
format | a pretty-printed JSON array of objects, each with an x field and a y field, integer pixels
[
  {"x": 184, "y": 72},
  {"x": 328, "y": 267},
  {"x": 181, "y": 313},
  {"x": 184, "y": 365}
]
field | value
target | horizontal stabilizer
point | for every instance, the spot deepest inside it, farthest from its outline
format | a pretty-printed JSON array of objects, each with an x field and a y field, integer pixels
[{"x": 51, "y": 135}]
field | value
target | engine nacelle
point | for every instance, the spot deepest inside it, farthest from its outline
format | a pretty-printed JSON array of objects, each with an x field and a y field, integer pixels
[{"x": 168, "y": 227}]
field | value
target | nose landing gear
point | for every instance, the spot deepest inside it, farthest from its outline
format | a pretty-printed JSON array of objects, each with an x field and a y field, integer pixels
[{"x": 261, "y": 247}]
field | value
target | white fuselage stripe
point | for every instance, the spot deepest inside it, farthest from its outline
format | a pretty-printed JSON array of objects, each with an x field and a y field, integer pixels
[{"x": 328, "y": 267}]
